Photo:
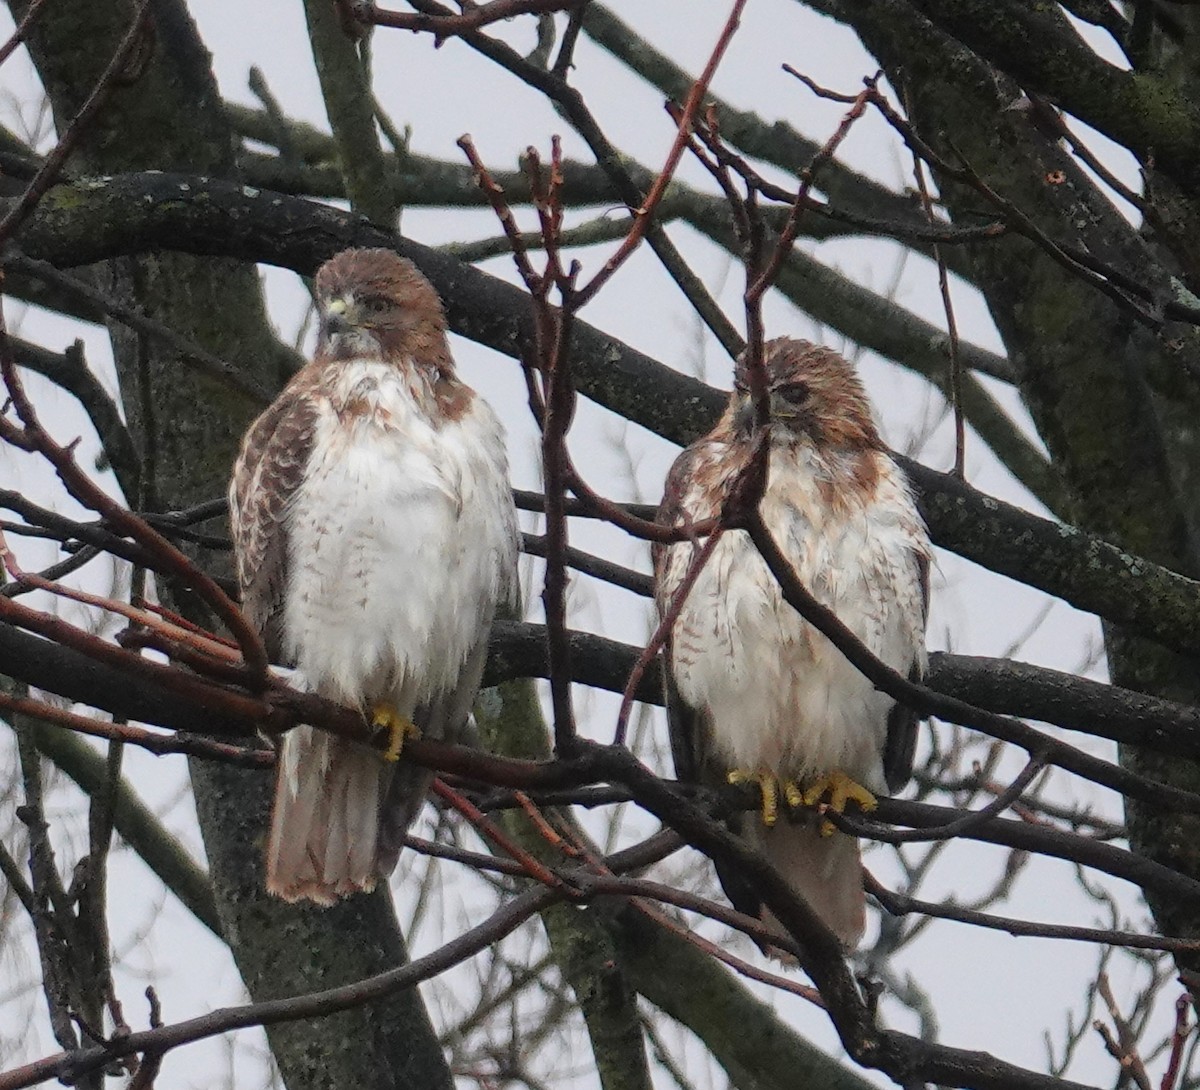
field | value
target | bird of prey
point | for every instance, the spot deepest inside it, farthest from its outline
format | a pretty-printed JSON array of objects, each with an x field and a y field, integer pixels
[
  {"x": 374, "y": 535},
  {"x": 755, "y": 693}
]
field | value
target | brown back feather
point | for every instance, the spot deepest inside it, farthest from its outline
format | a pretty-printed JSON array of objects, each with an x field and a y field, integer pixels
[{"x": 269, "y": 468}]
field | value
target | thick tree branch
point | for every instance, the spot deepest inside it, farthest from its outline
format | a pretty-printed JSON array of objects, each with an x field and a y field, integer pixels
[
  {"x": 349, "y": 105},
  {"x": 70, "y": 1066},
  {"x": 132, "y": 213},
  {"x": 1143, "y": 111}
]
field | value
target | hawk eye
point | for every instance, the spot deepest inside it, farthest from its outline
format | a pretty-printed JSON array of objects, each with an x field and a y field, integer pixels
[
  {"x": 795, "y": 393},
  {"x": 375, "y": 304}
]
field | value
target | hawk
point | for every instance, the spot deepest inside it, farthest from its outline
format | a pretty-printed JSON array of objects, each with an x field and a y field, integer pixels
[
  {"x": 375, "y": 536},
  {"x": 755, "y": 693}
]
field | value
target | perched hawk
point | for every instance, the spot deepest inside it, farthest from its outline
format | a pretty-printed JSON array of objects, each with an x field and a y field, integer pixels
[
  {"x": 757, "y": 694},
  {"x": 375, "y": 535}
]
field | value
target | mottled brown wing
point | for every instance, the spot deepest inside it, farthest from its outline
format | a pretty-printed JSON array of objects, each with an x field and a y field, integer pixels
[
  {"x": 902, "y": 722},
  {"x": 269, "y": 469},
  {"x": 688, "y": 748}
]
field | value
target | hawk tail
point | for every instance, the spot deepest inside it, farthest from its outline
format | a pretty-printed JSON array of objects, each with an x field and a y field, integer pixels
[
  {"x": 825, "y": 870},
  {"x": 324, "y": 838}
]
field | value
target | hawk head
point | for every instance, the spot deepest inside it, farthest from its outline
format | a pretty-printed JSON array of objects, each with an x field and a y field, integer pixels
[
  {"x": 373, "y": 304},
  {"x": 813, "y": 393}
]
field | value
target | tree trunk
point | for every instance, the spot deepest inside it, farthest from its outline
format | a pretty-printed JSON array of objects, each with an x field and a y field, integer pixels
[{"x": 188, "y": 427}]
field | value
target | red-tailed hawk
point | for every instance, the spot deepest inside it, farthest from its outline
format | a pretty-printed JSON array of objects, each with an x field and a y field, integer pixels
[
  {"x": 757, "y": 694},
  {"x": 375, "y": 535}
]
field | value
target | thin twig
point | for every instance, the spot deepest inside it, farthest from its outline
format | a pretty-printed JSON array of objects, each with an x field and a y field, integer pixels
[
  {"x": 69, "y": 1066},
  {"x": 1123, "y": 1048},
  {"x": 158, "y": 744},
  {"x": 666, "y": 623},
  {"x": 22, "y": 29},
  {"x": 449, "y": 26},
  {"x": 956, "y": 405},
  {"x": 208, "y": 363},
  {"x": 645, "y": 211},
  {"x": 901, "y": 904},
  {"x": 49, "y": 170},
  {"x": 86, "y": 491}
]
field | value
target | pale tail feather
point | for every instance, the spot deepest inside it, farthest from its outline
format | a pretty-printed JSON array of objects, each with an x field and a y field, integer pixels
[
  {"x": 324, "y": 839},
  {"x": 825, "y": 870}
]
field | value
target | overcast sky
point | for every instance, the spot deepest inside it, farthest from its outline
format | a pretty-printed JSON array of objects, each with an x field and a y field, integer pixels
[{"x": 989, "y": 991}]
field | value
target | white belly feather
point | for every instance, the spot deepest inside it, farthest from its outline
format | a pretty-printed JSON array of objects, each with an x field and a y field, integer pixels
[
  {"x": 401, "y": 542},
  {"x": 780, "y": 695}
]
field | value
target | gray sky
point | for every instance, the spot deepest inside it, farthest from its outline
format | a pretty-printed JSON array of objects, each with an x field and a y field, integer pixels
[{"x": 990, "y": 991}]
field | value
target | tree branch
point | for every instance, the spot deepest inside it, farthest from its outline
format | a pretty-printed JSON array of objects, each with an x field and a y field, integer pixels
[{"x": 131, "y": 213}]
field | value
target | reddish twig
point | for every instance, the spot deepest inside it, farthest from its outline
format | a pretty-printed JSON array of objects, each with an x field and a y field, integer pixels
[
  {"x": 603, "y": 508},
  {"x": 547, "y": 203},
  {"x": 225, "y": 667},
  {"x": 821, "y": 92},
  {"x": 548, "y": 832},
  {"x": 158, "y": 744},
  {"x": 559, "y": 400},
  {"x": 659, "y": 638},
  {"x": 66, "y": 566},
  {"x": 642, "y": 215},
  {"x": 180, "y": 621},
  {"x": 1179, "y": 1038},
  {"x": 807, "y": 176},
  {"x": 8, "y": 560},
  {"x": 495, "y": 195},
  {"x": 724, "y": 160},
  {"x": 491, "y": 831},
  {"x": 192, "y": 635},
  {"x": 170, "y": 560},
  {"x": 180, "y": 682}
]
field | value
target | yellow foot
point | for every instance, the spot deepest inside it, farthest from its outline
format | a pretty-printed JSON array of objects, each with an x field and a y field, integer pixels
[
  {"x": 840, "y": 790},
  {"x": 770, "y": 786},
  {"x": 385, "y": 717}
]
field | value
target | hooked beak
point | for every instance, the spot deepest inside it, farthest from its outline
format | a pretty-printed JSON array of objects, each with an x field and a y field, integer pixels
[
  {"x": 338, "y": 317},
  {"x": 342, "y": 331}
]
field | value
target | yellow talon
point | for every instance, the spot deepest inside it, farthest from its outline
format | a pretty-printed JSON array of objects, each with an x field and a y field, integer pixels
[
  {"x": 385, "y": 717},
  {"x": 768, "y": 785},
  {"x": 840, "y": 789}
]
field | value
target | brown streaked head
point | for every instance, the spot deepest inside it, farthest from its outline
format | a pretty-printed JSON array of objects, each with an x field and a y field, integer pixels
[
  {"x": 376, "y": 303},
  {"x": 812, "y": 391}
]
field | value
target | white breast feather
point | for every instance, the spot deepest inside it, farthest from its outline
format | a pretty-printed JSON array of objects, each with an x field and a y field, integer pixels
[
  {"x": 780, "y": 695},
  {"x": 402, "y": 541}
]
